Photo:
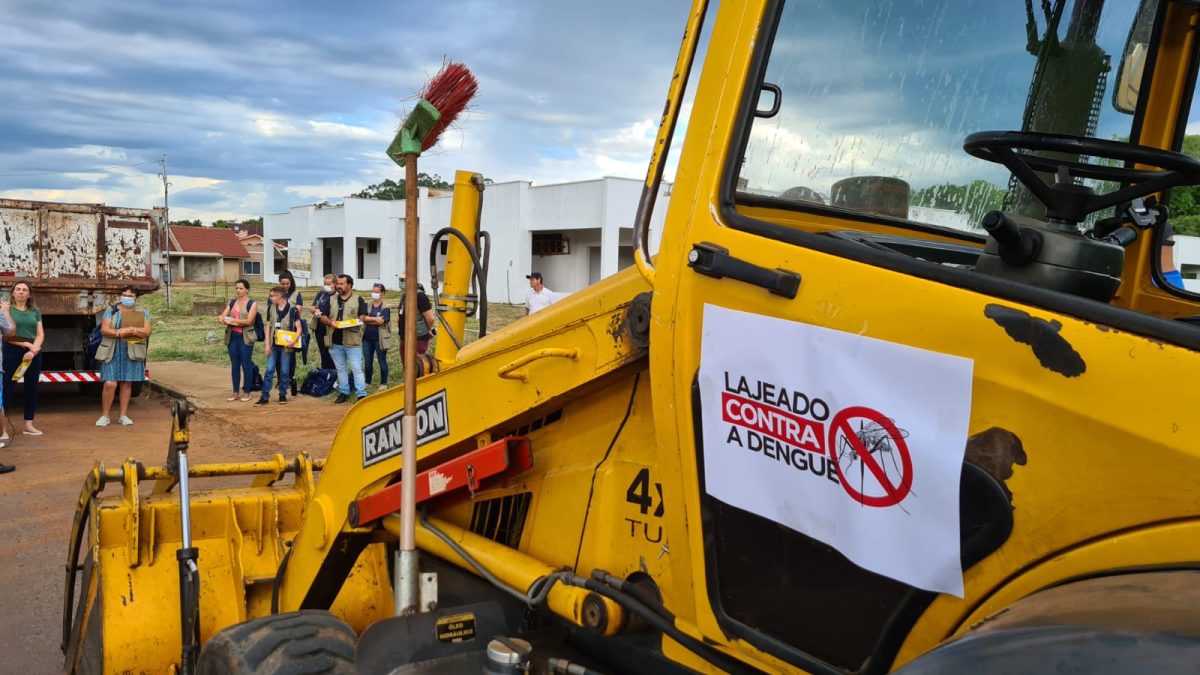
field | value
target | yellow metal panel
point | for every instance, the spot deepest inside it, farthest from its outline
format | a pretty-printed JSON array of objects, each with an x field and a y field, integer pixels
[
  {"x": 1103, "y": 447},
  {"x": 240, "y": 534},
  {"x": 1161, "y": 545},
  {"x": 479, "y": 400}
]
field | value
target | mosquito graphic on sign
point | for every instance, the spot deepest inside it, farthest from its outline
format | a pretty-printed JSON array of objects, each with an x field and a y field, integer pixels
[{"x": 873, "y": 441}]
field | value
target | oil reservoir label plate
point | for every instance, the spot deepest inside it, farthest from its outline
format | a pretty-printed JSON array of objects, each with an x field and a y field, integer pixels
[{"x": 456, "y": 628}]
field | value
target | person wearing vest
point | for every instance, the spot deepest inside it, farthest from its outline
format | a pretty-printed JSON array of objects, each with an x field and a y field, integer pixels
[
  {"x": 238, "y": 319},
  {"x": 122, "y": 353},
  {"x": 320, "y": 307},
  {"x": 283, "y": 325},
  {"x": 377, "y": 336},
  {"x": 290, "y": 293},
  {"x": 343, "y": 336},
  {"x": 425, "y": 321}
]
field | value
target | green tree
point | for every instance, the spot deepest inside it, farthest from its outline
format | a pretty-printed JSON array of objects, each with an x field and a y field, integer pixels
[
  {"x": 395, "y": 189},
  {"x": 1185, "y": 201},
  {"x": 189, "y": 223},
  {"x": 975, "y": 198}
]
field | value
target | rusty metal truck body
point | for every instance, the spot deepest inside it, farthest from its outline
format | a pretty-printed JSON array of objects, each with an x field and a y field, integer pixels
[{"x": 76, "y": 257}]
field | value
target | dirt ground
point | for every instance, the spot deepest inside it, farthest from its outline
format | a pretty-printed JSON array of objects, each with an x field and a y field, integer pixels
[{"x": 37, "y": 501}]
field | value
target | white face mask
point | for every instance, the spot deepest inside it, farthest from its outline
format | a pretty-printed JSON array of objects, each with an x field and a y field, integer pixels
[
  {"x": 328, "y": 288},
  {"x": 376, "y": 296}
]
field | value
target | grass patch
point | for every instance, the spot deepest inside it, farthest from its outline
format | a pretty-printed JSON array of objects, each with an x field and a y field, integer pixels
[{"x": 181, "y": 336}]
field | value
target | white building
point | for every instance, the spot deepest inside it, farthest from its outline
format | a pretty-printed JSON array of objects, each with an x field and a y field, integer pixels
[
  {"x": 1187, "y": 261},
  {"x": 573, "y": 233}
]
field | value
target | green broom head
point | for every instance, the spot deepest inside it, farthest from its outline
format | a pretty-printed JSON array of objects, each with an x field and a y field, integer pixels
[{"x": 444, "y": 98}]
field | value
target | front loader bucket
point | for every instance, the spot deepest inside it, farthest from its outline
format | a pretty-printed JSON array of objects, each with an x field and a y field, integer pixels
[{"x": 121, "y": 605}]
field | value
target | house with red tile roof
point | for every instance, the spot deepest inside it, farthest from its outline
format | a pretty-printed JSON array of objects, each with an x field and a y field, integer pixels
[{"x": 206, "y": 254}]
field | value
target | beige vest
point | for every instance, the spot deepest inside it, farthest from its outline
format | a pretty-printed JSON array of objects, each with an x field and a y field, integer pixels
[
  {"x": 351, "y": 337},
  {"x": 288, "y": 322},
  {"x": 248, "y": 335}
]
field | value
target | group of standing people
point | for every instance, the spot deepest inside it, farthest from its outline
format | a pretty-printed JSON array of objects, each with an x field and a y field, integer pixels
[
  {"x": 352, "y": 335},
  {"x": 282, "y": 333},
  {"x": 121, "y": 355}
]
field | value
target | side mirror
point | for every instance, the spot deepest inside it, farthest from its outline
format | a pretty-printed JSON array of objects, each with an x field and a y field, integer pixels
[{"x": 1133, "y": 61}]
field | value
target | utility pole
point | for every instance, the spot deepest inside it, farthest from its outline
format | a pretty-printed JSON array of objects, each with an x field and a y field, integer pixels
[{"x": 166, "y": 247}]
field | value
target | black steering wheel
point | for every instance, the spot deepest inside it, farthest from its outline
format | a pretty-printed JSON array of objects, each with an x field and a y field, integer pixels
[{"x": 1070, "y": 202}]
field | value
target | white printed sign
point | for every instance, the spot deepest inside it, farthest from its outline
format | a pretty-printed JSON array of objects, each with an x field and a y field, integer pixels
[{"x": 853, "y": 441}]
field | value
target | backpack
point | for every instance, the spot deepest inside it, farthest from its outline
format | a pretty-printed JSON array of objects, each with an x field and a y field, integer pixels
[
  {"x": 260, "y": 332},
  {"x": 256, "y": 384},
  {"x": 319, "y": 382},
  {"x": 93, "y": 341}
]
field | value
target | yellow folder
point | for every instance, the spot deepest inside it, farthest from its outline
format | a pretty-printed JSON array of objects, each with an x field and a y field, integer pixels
[{"x": 286, "y": 338}]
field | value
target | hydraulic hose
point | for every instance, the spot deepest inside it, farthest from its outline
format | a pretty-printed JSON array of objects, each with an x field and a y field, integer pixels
[
  {"x": 478, "y": 279},
  {"x": 483, "y": 572},
  {"x": 658, "y": 623}
]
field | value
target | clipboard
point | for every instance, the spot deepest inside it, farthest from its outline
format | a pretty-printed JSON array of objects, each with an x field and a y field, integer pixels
[
  {"x": 132, "y": 318},
  {"x": 347, "y": 323}
]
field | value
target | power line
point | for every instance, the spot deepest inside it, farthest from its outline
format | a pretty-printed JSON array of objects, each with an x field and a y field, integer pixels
[{"x": 87, "y": 170}]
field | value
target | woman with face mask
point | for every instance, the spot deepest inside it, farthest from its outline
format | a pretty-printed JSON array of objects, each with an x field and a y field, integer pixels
[
  {"x": 24, "y": 346},
  {"x": 126, "y": 329},
  {"x": 321, "y": 306},
  {"x": 377, "y": 336}
]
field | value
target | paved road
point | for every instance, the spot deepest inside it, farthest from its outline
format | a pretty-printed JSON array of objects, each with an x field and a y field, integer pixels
[{"x": 37, "y": 502}]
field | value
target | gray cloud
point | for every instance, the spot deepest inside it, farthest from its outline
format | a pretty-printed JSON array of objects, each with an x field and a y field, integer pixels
[{"x": 250, "y": 101}]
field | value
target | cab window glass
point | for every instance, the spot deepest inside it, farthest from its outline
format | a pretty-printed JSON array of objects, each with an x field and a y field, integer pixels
[
  {"x": 875, "y": 122},
  {"x": 1179, "y": 249}
]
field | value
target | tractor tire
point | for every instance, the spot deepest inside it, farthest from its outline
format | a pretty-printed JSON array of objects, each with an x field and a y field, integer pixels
[{"x": 308, "y": 642}]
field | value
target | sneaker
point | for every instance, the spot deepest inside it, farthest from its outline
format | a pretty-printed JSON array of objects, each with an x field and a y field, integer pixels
[
  {"x": 30, "y": 431},
  {"x": 124, "y": 421},
  {"x": 103, "y": 421},
  {"x": 7, "y": 468},
  {"x": 262, "y": 401},
  {"x": 342, "y": 398},
  {"x": 232, "y": 398},
  {"x": 381, "y": 387},
  {"x": 282, "y": 399}
]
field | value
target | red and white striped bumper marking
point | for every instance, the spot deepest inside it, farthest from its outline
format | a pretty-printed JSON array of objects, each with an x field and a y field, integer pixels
[{"x": 72, "y": 376}]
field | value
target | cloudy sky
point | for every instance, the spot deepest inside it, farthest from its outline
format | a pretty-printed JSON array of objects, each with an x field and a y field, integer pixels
[{"x": 266, "y": 105}]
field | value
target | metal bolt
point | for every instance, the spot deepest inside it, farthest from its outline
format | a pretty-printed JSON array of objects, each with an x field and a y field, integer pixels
[{"x": 693, "y": 256}]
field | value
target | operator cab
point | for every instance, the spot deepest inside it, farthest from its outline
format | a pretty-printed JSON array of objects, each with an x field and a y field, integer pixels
[{"x": 881, "y": 148}]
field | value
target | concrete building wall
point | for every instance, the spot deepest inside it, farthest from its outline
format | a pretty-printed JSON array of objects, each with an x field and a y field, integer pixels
[{"x": 596, "y": 214}]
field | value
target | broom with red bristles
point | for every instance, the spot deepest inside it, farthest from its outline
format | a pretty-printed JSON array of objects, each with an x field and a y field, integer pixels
[{"x": 443, "y": 99}]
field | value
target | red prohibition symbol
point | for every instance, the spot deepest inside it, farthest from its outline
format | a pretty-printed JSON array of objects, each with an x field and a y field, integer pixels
[{"x": 883, "y": 431}]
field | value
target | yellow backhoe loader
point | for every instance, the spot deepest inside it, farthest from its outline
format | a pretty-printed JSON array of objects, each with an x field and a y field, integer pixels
[{"x": 903, "y": 386}]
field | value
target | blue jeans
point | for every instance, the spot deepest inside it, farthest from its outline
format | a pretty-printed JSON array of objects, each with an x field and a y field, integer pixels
[
  {"x": 351, "y": 357},
  {"x": 281, "y": 359},
  {"x": 370, "y": 350},
  {"x": 241, "y": 362}
]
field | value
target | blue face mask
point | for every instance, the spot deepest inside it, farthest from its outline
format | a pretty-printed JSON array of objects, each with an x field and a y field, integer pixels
[{"x": 127, "y": 301}]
